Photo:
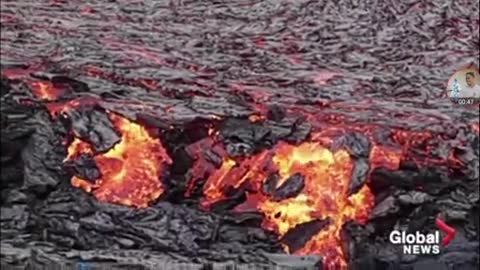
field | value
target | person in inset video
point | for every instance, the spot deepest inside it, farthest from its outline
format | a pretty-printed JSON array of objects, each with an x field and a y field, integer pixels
[{"x": 471, "y": 90}]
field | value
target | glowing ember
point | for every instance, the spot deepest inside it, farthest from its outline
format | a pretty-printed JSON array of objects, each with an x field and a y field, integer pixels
[
  {"x": 130, "y": 171},
  {"x": 256, "y": 118},
  {"x": 327, "y": 177},
  {"x": 234, "y": 174},
  {"x": 44, "y": 90}
]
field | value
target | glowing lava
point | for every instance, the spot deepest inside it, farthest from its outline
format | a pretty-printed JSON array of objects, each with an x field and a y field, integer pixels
[
  {"x": 44, "y": 89},
  {"x": 327, "y": 177},
  {"x": 130, "y": 171}
]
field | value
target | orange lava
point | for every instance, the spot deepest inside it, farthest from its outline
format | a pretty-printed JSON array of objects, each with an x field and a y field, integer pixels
[
  {"x": 44, "y": 90},
  {"x": 385, "y": 157},
  {"x": 256, "y": 118},
  {"x": 234, "y": 174},
  {"x": 327, "y": 177},
  {"x": 130, "y": 171}
]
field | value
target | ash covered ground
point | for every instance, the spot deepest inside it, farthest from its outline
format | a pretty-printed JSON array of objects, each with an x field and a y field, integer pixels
[{"x": 304, "y": 70}]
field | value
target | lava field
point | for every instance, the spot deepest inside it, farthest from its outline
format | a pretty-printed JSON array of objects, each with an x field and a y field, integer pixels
[{"x": 241, "y": 134}]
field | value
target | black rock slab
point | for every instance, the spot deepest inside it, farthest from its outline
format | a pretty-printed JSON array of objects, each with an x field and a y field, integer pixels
[
  {"x": 241, "y": 136},
  {"x": 389, "y": 206},
  {"x": 234, "y": 197},
  {"x": 383, "y": 178},
  {"x": 270, "y": 183},
  {"x": 357, "y": 144},
  {"x": 296, "y": 237},
  {"x": 84, "y": 166},
  {"x": 275, "y": 113},
  {"x": 43, "y": 155},
  {"x": 93, "y": 125},
  {"x": 359, "y": 175},
  {"x": 292, "y": 186},
  {"x": 414, "y": 197},
  {"x": 300, "y": 131},
  {"x": 431, "y": 179},
  {"x": 291, "y": 129},
  {"x": 359, "y": 147}
]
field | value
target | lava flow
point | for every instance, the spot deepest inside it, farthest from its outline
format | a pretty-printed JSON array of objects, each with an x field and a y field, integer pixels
[
  {"x": 326, "y": 176},
  {"x": 130, "y": 171}
]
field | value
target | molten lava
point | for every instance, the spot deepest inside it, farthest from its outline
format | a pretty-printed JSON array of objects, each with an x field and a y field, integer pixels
[
  {"x": 327, "y": 177},
  {"x": 130, "y": 171},
  {"x": 45, "y": 89}
]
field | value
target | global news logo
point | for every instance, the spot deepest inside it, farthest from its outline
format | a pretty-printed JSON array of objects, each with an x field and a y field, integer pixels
[{"x": 418, "y": 243}]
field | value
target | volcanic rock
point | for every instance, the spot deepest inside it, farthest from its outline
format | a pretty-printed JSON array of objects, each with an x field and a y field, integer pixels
[
  {"x": 270, "y": 184},
  {"x": 414, "y": 198},
  {"x": 214, "y": 158},
  {"x": 386, "y": 207},
  {"x": 242, "y": 136},
  {"x": 296, "y": 237},
  {"x": 233, "y": 199},
  {"x": 84, "y": 167},
  {"x": 162, "y": 227},
  {"x": 42, "y": 156},
  {"x": 239, "y": 149},
  {"x": 292, "y": 186},
  {"x": 431, "y": 179},
  {"x": 359, "y": 175},
  {"x": 275, "y": 113},
  {"x": 291, "y": 129},
  {"x": 94, "y": 127},
  {"x": 357, "y": 145}
]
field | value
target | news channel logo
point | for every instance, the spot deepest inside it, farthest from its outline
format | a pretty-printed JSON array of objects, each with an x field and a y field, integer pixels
[{"x": 463, "y": 86}]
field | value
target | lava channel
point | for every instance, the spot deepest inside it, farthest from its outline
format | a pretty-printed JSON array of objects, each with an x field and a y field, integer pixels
[{"x": 130, "y": 171}]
